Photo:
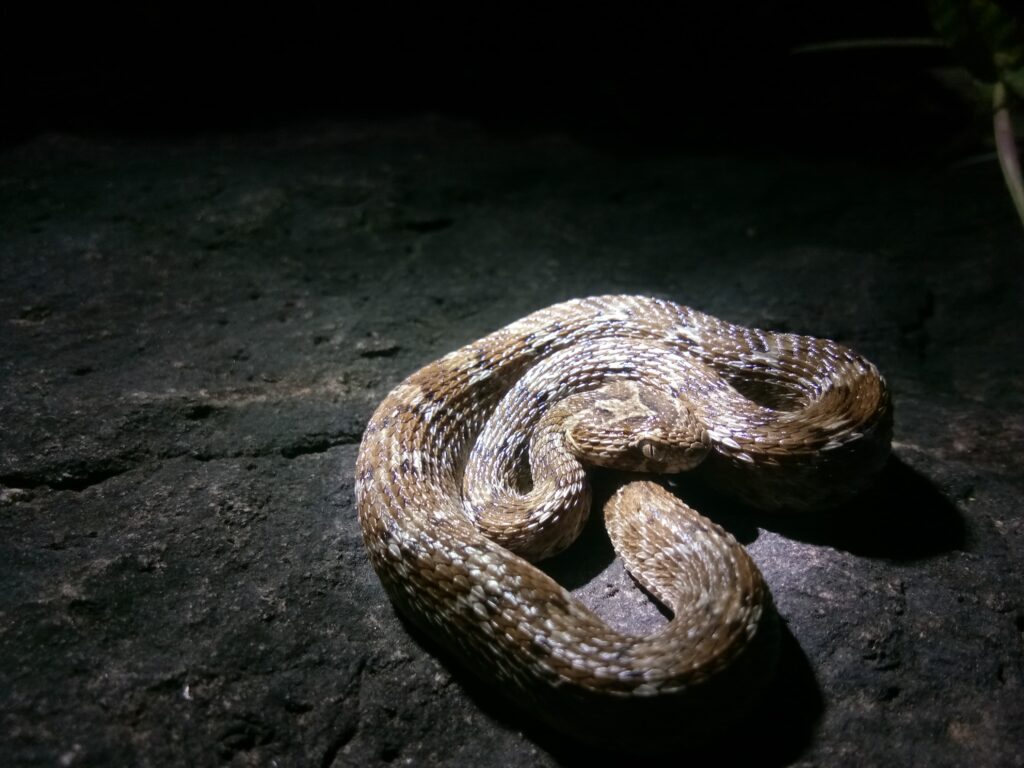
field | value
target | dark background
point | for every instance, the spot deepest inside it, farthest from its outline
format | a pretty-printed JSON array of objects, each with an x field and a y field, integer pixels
[{"x": 725, "y": 75}]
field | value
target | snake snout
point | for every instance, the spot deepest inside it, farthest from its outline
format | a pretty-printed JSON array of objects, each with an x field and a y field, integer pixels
[{"x": 663, "y": 455}]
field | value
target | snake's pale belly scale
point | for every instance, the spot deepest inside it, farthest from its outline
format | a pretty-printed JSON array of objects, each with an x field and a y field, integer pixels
[{"x": 476, "y": 464}]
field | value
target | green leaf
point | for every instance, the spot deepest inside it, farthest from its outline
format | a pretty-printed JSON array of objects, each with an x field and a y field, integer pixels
[
  {"x": 987, "y": 36},
  {"x": 1014, "y": 80}
]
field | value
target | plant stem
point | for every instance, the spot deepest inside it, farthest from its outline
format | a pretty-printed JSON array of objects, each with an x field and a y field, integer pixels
[{"x": 1006, "y": 147}]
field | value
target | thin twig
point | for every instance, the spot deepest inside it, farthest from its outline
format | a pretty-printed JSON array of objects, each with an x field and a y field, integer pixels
[
  {"x": 1006, "y": 148},
  {"x": 870, "y": 43}
]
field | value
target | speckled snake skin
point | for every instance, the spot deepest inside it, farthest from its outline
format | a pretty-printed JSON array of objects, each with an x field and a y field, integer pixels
[{"x": 474, "y": 465}]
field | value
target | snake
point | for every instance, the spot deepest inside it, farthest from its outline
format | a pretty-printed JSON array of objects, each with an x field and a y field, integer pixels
[{"x": 476, "y": 467}]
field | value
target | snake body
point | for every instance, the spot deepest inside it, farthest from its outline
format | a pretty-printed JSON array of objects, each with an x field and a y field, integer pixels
[{"x": 475, "y": 465}]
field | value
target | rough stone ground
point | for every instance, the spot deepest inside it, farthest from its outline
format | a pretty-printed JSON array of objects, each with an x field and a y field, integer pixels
[{"x": 195, "y": 330}]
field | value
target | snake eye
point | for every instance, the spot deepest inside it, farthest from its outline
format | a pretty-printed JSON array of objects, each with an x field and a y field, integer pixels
[{"x": 650, "y": 450}]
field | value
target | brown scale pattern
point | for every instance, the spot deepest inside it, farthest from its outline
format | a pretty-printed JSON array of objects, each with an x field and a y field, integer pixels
[{"x": 475, "y": 464}]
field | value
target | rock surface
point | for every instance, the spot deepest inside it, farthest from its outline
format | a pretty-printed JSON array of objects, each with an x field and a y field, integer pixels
[{"x": 194, "y": 332}]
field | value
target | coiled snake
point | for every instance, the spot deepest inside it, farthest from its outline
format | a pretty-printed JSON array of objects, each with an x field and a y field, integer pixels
[{"x": 475, "y": 464}]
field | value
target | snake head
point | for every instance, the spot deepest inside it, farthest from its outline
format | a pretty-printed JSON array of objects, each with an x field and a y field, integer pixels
[
  {"x": 637, "y": 447},
  {"x": 631, "y": 426}
]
